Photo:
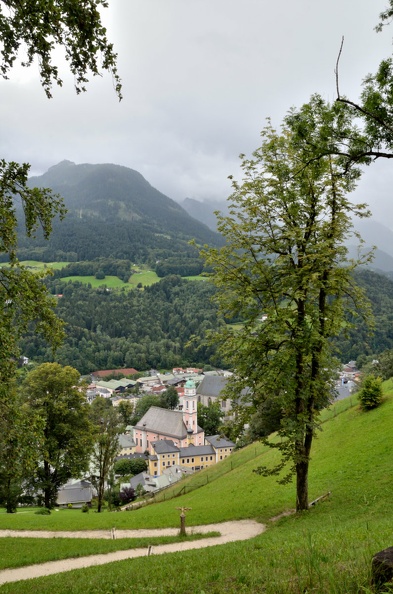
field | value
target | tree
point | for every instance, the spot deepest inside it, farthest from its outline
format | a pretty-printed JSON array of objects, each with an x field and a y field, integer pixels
[
  {"x": 107, "y": 427},
  {"x": 210, "y": 417},
  {"x": 126, "y": 411},
  {"x": 370, "y": 395},
  {"x": 63, "y": 442},
  {"x": 143, "y": 405},
  {"x": 40, "y": 27},
  {"x": 128, "y": 466},
  {"x": 266, "y": 419},
  {"x": 284, "y": 270},
  {"x": 170, "y": 398}
]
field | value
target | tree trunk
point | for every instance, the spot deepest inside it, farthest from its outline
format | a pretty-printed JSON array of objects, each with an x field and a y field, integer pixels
[{"x": 302, "y": 486}]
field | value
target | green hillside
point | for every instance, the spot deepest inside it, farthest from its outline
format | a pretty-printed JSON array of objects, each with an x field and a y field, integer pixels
[
  {"x": 328, "y": 549},
  {"x": 114, "y": 212}
]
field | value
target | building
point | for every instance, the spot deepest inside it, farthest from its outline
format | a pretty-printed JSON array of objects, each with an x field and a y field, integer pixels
[
  {"x": 181, "y": 427},
  {"x": 164, "y": 454}
]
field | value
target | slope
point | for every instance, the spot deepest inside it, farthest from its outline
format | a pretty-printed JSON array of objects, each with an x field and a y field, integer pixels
[
  {"x": 327, "y": 550},
  {"x": 114, "y": 212}
]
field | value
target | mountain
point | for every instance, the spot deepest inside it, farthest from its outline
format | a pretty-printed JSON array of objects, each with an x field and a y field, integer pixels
[
  {"x": 114, "y": 212},
  {"x": 204, "y": 211}
]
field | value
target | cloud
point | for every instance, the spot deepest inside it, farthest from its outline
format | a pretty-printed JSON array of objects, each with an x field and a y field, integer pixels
[{"x": 200, "y": 77}]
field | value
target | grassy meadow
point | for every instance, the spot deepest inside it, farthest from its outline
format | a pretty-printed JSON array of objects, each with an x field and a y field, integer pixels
[{"x": 326, "y": 550}]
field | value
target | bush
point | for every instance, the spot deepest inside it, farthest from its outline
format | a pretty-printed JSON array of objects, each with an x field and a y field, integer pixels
[
  {"x": 127, "y": 494},
  {"x": 370, "y": 395},
  {"x": 44, "y": 511},
  {"x": 85, "y": 508}
]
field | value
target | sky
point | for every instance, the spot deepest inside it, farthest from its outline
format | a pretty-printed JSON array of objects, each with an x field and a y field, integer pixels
[{"x": 200, "y": 77}]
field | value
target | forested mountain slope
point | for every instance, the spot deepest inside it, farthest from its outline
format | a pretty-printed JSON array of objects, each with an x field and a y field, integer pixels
[
  {"x": 139, "y": 328},
  {"x": 113, "y": 212},
  {"x": 153, "y": 327}
]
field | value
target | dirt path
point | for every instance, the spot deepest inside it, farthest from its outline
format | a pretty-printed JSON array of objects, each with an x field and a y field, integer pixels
[{"x": 229, "y": 532}]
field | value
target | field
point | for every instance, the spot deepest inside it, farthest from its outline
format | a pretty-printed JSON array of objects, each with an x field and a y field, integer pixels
[{"x": 326, "y": 550}]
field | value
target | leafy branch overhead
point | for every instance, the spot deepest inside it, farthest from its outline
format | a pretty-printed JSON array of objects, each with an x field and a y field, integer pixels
[{"x": 40, "y": 26}]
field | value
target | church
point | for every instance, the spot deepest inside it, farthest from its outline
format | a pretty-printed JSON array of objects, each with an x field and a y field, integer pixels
[{"x": 180, "y": 427}]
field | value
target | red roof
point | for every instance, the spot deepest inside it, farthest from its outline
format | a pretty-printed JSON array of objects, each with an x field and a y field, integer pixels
[{"x": 106, "y": 372}]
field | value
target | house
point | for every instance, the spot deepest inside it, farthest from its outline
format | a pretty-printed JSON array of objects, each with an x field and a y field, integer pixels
[
  {"x": 222, "y": 446},
  {"x": 181, "y": 427},
  {"x": 126, "y": 444},
  {"x": 164, "y": 454},
  {"x": 75, "y": 493},
  {"x": 151, "y": 484}
]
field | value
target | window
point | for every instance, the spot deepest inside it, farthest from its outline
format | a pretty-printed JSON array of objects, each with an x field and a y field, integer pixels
[
  {"x": 155, "y": 464},
  {"x": 163, "y": 463},
  {"x": 192, "y": 459},
  {"x": 188, "y": 460},
  {"x": 211, "y": 457},
  {"x": 220, "y": 457},
  {"x": 201, "y": 458},
  {"x": 173, "y": 462}
]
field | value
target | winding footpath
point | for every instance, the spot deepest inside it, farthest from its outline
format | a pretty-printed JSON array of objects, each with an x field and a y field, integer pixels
[{"x": 229, "y": 532}]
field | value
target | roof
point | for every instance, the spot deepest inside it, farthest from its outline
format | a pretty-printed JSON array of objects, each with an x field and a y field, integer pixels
[
  {"x": 77, "y": 492},
  {"x": 193, "y": 450},
  {"x": 106, "y": 372},
  {"x": 161, "y": 420},
  {"x": 164, "y": 446},
  {"x": 217, "y": 441},
  {"x": 126, "y": 441},
  {"x": 212, "y": 385}
]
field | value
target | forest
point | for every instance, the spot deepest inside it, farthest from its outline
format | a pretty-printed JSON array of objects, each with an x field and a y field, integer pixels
[
  {"x": 159, "y": 326},
  {"x": 165, "y": 325}
]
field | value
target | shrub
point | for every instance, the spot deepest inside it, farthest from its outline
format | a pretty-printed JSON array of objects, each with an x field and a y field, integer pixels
[
  {"x": 44, "y": 511},
  {"x": 127, "y": 494},
  {"x": 85, "y": 508},
  {"x": 370, "y": 395}
]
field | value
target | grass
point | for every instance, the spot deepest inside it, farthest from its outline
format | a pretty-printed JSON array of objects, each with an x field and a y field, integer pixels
[
  {"x": 44, "y": 265},
  {"x": 146, "y": 277},
  {"x": 327, "y": 550},
  {"x": 19, "y": 552},
  {"x": 111, "y": 282}
]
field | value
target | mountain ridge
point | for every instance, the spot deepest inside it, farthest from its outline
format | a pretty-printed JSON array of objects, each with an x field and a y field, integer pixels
[{"x": 119, "y": 206}]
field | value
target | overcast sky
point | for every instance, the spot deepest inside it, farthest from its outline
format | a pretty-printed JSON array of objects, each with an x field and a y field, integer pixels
[{"x": 199, "y": 79}]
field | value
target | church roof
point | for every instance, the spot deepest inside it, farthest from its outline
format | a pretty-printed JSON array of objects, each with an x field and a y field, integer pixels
[{"x": 164, "y": 421}]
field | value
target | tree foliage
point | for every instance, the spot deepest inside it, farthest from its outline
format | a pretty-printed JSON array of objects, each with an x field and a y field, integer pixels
[
  {"x": 130, "y": 466},
  {"x": 63, "y": 440},
  {"x": 23, "y": 296},
  {"x": 285, "y": 270},
  {"x": 170, "y": 398},
  {"x": 210, "y": 417},
  {"x": 42, "y": 26},
  {"x": 370, "y": 395},
  {"x": 107, "y": 427}
]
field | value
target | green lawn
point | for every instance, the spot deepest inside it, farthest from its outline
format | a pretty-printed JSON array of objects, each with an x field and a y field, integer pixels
[
  {"x": 111, "y": 282},
  {"x": 19, "y": 552},
  {"x": 146, "y": 277},
  {"x": 327, "y": 550}
]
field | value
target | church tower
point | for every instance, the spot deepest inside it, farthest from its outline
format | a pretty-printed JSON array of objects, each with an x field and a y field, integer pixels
[{"x": 190, "y": 415}]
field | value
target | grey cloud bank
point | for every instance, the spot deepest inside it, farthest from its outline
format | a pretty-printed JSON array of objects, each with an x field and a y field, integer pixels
[{"x": 199, "y": 77}]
